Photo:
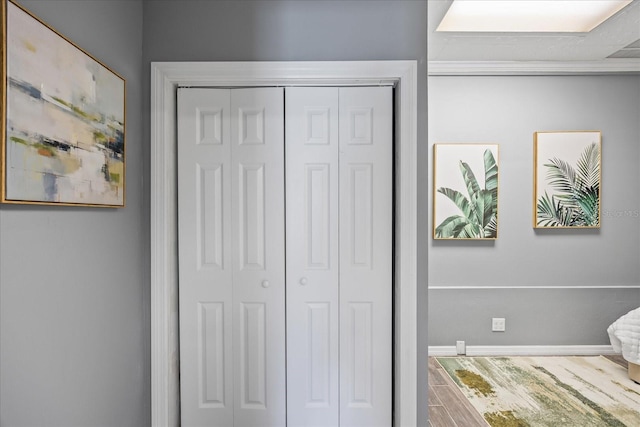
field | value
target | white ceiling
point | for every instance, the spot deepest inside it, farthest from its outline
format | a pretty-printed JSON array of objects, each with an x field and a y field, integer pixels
[{"x": 620, "y": 31}]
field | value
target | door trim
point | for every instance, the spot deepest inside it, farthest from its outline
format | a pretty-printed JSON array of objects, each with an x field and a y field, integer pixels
[{"x": 165, "y": 78}]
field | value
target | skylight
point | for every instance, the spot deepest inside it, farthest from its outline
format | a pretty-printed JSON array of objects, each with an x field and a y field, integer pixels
[{"x": 576, "y": 16}]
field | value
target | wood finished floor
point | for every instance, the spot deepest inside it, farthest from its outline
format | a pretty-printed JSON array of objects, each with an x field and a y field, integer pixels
[{"x": 448, "y": 407}]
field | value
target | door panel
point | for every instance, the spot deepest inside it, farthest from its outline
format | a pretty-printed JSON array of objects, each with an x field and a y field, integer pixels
[
  {"x": 252, "y": 355},
  {"x": 251, "y": 216},
  {"x": 357, "y": 333},
  {"x": 257, "y": 158},
  {"x": 204, "y": 206},
  {"x": 312, "y": 256},
  {"x": 339, "y": 225},
  {"x": 211, "y": 354},
  {"x": 366, "y": 185},
  {"x": 319, "y": 368},
  {"x": 317, "y": 230},
  {"x": 359, "y": 179},
  {"x": 209, "y": 212},
  {"x": 231, "y": 246}
]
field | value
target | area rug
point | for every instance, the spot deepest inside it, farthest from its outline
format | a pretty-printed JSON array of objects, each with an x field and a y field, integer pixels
[{"x": 547, "y": 391}]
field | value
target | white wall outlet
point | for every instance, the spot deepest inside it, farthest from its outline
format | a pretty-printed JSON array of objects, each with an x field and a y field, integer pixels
[
  {"x": 498, "y": 324},
  {"x": 461, "y": 347}
]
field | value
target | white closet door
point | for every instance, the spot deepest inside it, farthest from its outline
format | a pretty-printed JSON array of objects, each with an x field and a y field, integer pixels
[
  {"x": 257, "y": 161},
  {"x": 204, "y": 166},
  {"x": 312, "y": 256},
  {"x": 366, "y": 185},
  {"x": 231, "y": 249},
  {"x": 339, "y": 249}
]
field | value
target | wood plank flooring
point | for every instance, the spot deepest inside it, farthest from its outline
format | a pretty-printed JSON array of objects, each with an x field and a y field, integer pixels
[{"x": 448, "y": 407}]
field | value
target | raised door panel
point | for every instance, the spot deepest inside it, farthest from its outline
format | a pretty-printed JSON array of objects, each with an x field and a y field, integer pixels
[
  {"x": 251, "y": 216},
  {"x": 204, "y": 240},
  {"x": 258, "y": 221},
  {"x": 312, "y": 256},
  {"x": 211, "y": 349},
  {"x": 357, "y": 328},
  {"x": 365, "y": 256},
  {"x": 252, "y": 356},
  {"x": 209, "y": 215}
]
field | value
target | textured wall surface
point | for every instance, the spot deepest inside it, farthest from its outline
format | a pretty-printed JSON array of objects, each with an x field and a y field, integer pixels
[
  {"x": 74, "y": 285},
  {"x": 594, "y": 275},
  {"x": 74, "y": 320}
]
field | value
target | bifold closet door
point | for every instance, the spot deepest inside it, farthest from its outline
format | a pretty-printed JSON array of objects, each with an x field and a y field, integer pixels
[
  {"x": 231, "y": 257},
  {"x": 312, "y": 257},
  {"x": 339, "y": 256},
  {"x": 366, "y": 241}
]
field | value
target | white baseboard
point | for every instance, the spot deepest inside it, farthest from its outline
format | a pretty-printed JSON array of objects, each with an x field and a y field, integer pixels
[
  {"x": 442, "y": 350},
  {"x": 524, "y": 350}
]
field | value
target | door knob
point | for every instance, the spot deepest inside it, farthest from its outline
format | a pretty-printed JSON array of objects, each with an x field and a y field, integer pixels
[
  {"x": 303, "y": 281},
  {"x": 265, "y": 283}
]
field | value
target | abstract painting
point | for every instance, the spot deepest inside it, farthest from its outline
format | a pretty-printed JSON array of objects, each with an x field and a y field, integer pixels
[
  {"x": 465, "y": 196},
  {"x": 63, "y": 119},
  {"x": 567, "y": 175}
]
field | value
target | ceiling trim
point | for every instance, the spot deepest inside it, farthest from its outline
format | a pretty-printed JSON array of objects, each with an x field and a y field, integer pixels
[{"x": 532, "y": 68}]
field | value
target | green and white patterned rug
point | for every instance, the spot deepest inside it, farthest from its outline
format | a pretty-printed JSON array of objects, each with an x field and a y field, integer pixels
[{"x": 547, "y": 391}]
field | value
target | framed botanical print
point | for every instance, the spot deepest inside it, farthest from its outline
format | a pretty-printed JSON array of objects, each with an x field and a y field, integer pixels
[
  {"x": 465, "y": 191},
  {"x": 567, "y": 175}
]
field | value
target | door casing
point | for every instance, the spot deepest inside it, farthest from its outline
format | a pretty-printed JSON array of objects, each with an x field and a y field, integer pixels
[{"x": 166, "y": 77}]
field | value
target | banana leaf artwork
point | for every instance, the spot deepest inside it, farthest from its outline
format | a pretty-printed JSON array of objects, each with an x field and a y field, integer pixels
[
  {"x": 567, "y": 169},
  {"x": 465, "y": 204}
]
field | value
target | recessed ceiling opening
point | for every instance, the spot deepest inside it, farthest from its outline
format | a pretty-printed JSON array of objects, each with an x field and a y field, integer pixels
[{"x": 559, "y": 16}]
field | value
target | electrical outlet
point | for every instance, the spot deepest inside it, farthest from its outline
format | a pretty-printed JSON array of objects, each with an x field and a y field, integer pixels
[
  {"x": 498, "y": 324},
  {"x": 461, "y": 348}
]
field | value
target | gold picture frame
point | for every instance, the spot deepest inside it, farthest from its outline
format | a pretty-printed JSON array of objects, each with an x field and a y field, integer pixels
[
  {"x": 63, "y": 119},
  {"x": 465, "y": 191},
  {"x": 567, "y": 168}
]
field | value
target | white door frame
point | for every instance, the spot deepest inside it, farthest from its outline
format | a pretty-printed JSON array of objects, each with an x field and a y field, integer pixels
[{"x": 165, "y": 78}]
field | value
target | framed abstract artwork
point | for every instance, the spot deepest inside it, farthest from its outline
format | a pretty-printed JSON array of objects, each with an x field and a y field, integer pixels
[
  {"x": 63, "y": 119},
  {"x": 465, "y": 191},
  {"x": 567, "y": 176}
]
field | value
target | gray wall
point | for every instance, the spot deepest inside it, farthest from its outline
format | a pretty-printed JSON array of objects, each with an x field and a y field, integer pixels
[
  {"x": 74, "y": 317},
  {"x": 300, "y": 31},
  {"x": 517, "y": 268},
  {"x": 74, "y": 336}
]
